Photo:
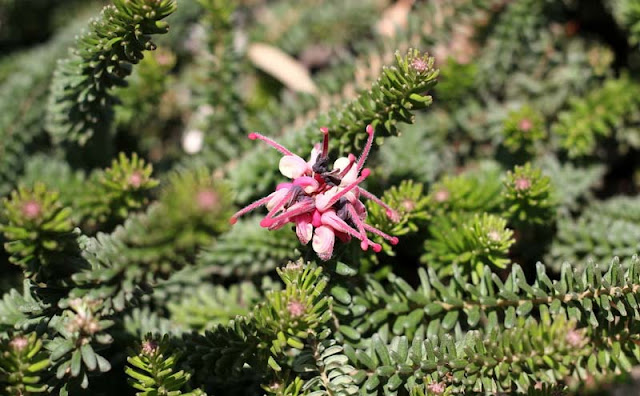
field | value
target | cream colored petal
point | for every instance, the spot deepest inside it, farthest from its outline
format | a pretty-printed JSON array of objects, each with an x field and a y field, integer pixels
[
  {"x": 277, "y": 197},
  {"x": 341, "y": 163},
  {"x": 293, "y": 166}
]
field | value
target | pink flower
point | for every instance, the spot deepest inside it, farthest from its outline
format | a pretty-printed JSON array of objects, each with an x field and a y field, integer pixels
[
  {"x": 322, "y": 201},
  {"x": 19, "y": 343},
  {"x": 525, "y": 125},
  {"x": 295, "y": 308},
  {"x": 31, "y": 209},
  {"x": 437, "y": 388},
  {"x": 522, "y": 184}
]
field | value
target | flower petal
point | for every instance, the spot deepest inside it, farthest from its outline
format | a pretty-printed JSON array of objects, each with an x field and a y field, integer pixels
[
  {"x": 323, "y": 199},
  {"x": 304, "y": 228},
  {"x": 315, "y": 153},
  {"x": 276, "y": 197},
  {"x": 341, "y": 163},
  {"x": 350, "y": 177},
  {"x": 323, "y": 240},
  {"x": 293, "y": 166},
  {"x": 308, "y": 184}
]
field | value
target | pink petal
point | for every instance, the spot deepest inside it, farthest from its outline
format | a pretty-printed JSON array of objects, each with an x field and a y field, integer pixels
[
  {"x": 276, "y": 197},
  {"x": 361, "y": 210},
  {"x": 323, "y": 240},
  {"x": 323, "y": 199},
  {"x": 350, "y": 177},
  {"x": 293, "y": 166},
  {"x": 308, "y": 184},
  {"x": 316, "y": 219},
  {"x": 280, "y": 186},
  {"x": 304, "y": 228}
]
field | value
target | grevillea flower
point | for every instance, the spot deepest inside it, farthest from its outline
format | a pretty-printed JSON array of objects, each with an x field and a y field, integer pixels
[{"x": 322, "y": 201}]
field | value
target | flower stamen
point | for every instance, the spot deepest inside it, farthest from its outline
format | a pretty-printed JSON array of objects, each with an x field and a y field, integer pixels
[
  {"x": 250, "y": 207},
  {"x": 270, "y": 142},
  {"x": 323, "y": 206},
  {"x": 367, "y": 148}
]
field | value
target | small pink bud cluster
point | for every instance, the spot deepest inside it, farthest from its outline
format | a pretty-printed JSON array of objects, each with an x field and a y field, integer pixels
[
  {"x": 322, "y": 201},
  {"x": 19, "y": 343},
  {"x": 149, "y": 347},
  {"x": 525, "y": 125},
  {"x": 83, "y": 321},
  {"x": 31, "y": 209},
  {"x": 522, "y": 184},
  {"x": 136, "y": 179},
  {"x": 575, "y": 338},
  {"x": 437, "y": 388},
  {"x": 419, "y": 65},
  {"x": 207, "y": 200},
  {"x": 295, "y": 308}
]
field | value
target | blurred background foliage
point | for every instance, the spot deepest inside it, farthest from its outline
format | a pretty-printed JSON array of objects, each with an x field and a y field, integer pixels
[{"x": 124, "y": 151}]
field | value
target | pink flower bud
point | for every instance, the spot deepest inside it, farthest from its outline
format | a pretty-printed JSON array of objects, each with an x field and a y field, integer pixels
[
  {"x": 19, "y": 343},
  {"x": 207, "y": 200},
  {"x": 31, "y": 210},
  {"x": 522, "y": 184},
  {"x": 135, "y": 180},
  {"x": 149, "y": 347},
  {"x": 295, "y": 308},
  {"x": 525, "y": 125}
]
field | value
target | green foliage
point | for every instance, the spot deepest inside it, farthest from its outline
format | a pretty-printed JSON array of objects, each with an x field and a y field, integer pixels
[
  {"x": 192, "y": 209},
  {"x": 425, "y": 140},
  {"x": 472, "y": 242},
  {"x": 575, "y": 182},
  {"x": 80, "y": 334},
  {"x": 527, "y": 196},
  {"x": 23, "y": 101},
  {"x": 605, "y": 112},
  {"x": 632, "y": 18},
  {"x": 22, "y": 362},
  {"x": 592, "y": 297},
  {"x": 209, "y": 305},
  {"x": 116, "y": 192},
  {"x": 300, "y": 24},
  {"x": 219, "y": 115},
  {"x": 103, "y": 199},
  {"x": 472, "y": 191},
  {"x": 502, "y": 361},
  {"x": 152, "y": 370},
  {"x": 40, "y": 234},
  {"x": 455, "y": 82},
  {"x": 247, "y": 250},
  {"x": 627, "y": 12},
  {"x": 140, "y": 102},
  {"x": 577, "y": 347},
  {"x": 517, "y": 27},
  {"x": 523, "y": 130},
  {"x": 80, "y": 104},
  {"x": 276, "y": 329},
  {"x": 607, "y": 229},
  {"x": 411, "y": 205},
  {"x": 20, "y": 309}
]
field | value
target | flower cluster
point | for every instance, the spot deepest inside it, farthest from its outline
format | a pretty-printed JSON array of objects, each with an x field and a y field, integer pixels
[{"x": 322, "y": 201}]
